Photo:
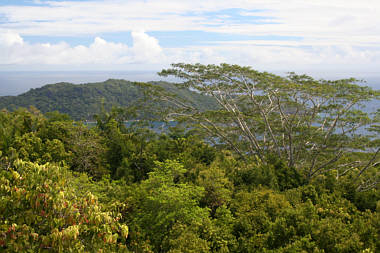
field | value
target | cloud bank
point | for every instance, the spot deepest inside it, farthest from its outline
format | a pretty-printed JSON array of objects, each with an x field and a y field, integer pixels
[
  {"x": 16, "y": 51},
  {"x": 336, "y": 35},
  {"x": 146, "y": 50},
  {"x": 323, "y": 19}
]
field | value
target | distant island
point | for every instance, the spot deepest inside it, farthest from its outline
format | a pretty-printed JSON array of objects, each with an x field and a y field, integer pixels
[{"x": 83, "y": 101}]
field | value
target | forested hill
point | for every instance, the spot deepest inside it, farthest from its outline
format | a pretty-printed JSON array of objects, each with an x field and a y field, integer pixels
[{"x": 82, "y": 101}]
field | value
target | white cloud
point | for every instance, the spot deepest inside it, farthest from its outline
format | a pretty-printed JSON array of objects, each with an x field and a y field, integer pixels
[
  {"x": 328, "y": 19},
  {"x": 282, "y": 58},
  {"x": 10, "y": 38},
  {"x": 340, "y": 34},
  {"x": 145, "y": 49}
]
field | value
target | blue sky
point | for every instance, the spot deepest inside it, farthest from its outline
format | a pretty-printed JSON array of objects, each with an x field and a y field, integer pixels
[{"x": 340, "y": 36}]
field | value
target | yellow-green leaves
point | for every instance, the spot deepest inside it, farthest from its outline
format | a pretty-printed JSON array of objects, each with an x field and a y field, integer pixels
[{"x": 47, "y": 212}]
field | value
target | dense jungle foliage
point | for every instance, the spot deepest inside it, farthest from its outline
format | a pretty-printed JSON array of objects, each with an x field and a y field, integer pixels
[{"x": 112, "y": 187}]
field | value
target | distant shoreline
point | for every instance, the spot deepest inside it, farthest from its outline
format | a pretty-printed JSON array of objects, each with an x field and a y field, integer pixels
[{"x": 14, "y": 83}]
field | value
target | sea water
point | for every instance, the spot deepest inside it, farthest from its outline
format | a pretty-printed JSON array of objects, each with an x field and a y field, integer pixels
[{"x": 17, "y": 82}]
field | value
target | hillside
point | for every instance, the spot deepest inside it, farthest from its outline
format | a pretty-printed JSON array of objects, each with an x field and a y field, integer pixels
[
  {"x": 82, "y": 101},
  {"x": 274, "y": 170}
]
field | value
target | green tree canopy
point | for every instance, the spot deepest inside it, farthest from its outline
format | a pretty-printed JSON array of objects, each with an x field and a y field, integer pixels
[{"x": 311, "y": 124}]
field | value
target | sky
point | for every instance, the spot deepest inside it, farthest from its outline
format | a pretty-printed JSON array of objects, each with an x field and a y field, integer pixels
[{"x": 309, "y": 36}]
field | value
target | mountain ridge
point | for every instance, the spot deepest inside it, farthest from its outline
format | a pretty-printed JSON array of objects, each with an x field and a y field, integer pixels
[{"x": 82, "y": 101}]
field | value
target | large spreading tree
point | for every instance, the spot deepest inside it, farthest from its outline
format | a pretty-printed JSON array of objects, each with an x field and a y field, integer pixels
[{"x": 314, "y": 125}]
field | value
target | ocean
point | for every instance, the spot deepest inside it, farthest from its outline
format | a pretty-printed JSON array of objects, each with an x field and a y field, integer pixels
[{"x": 17, "y": 82}]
